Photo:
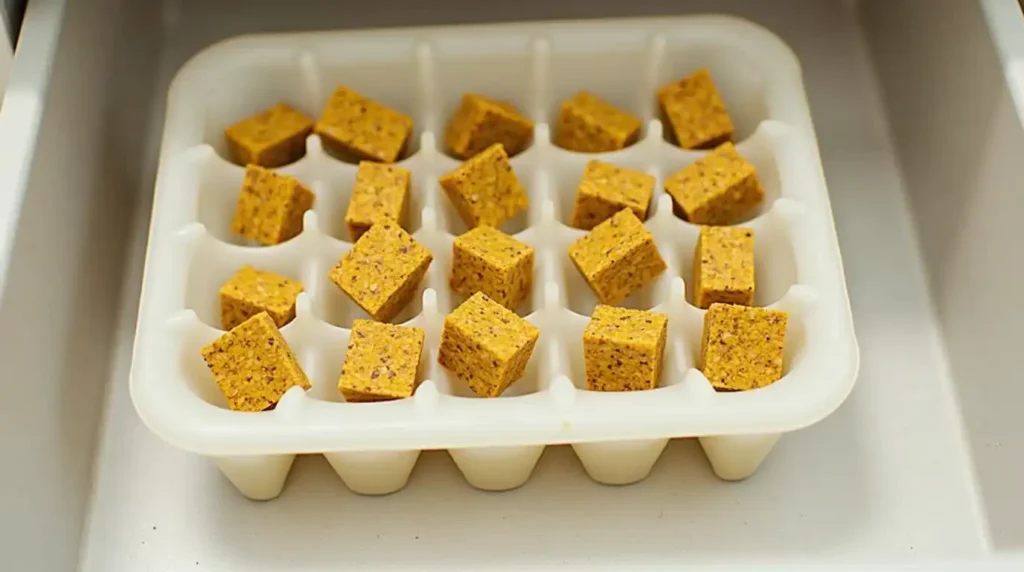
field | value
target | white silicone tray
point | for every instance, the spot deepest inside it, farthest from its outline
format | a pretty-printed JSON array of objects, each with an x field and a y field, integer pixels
[{"x": 495, "y": 443}]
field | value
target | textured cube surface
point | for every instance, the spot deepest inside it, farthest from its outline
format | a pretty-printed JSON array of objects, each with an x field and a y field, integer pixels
[
  {"x": 606, "y": 189},
  {"x": 624, "y": 349},
  {"x": 270, "y": 138},
  {"x": 590, "y": 124},
  {"x": 253, "y": 365},
  {"x": 742, "y": 347},
  {"x": 355, "y": 125},
  {"x": 723, "y": 266},
  {"x": 270, "y": 206},
  {"x": 486, "y": 345},
  {"x": 696, "y": 114},
  {"x": 490, "y": 261},
  {"x": 481, "y": 122},
  {"x": 383, "y": 270},
  {"x": 381, "y": 193},
  {"x": 250, "y": 291},
  {"x": 485, "y": 189},
  {"x": 381, "y": 362},
  {"x": 617, "y": 257},
  {"x": 720, "y": 188}
]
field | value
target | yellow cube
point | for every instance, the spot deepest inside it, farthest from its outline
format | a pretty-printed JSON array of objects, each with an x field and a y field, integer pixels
[
  {"x": 623, "y": 350},
  {"x": 250, "y": 291},
  {"x": 589, "y": 124},
  {"x": 695, "y": 111},
  {"x": 270, "y": 206},
  {"x": 270, "y": 138},
  {"x": 718, "y": 189},
  {"x": 381, "y": 193},
  {"x": 383, "y": 270},
  {"x": 617, "y": 258},
  {"x": 606, "y": 189},
  {"x": 742, "y": 347},
  {"x": 353, "y": 125},
  {"x": 481, "y": 122},
  {"x": 485, "y": 189},
  {"x": 723, "y": 266},
  {"x": 253, "y": 365},
  {"x": 381, "y": 363}
]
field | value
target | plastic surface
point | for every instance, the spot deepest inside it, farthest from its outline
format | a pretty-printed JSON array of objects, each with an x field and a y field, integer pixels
[{"x": 495, "y": 443}]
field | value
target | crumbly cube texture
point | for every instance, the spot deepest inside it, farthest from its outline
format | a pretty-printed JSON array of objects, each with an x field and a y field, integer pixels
[
  {"x": 270, "y": 138},
  {"x": 357, "y": 126},
  {"x": 742, "y": 347},
  {"x": 718, "y": 189},
  {"x": 485, "y": 189},
  {"x": 606, "y": 189},
  {"x": 481, "y": 122},
  {"x": 250, "y": 291},
  {"x": 696, "y": 112},
  {"x": 381, "y": 362},
  {"x": 383, "y": 270},
  {"x": 253, "y": 365},
  {"x": 270, "y": 206},
  {"x": 723, "y": 266},
  {"x": 623, "y": 350},
  {"x": 490, "y": 261},
  {"x": 381, "y": 193},
  {"x": 617, "y": 257},
  {"x": 486, "y": 345},
  {"x": 589, "y": 124}
]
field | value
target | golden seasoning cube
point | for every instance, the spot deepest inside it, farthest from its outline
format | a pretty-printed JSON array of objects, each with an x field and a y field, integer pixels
[
  {"x": 381, "y": 362},
  {"x": 270, "y": 206},
  {"x": 695, "y": 112},
  {"x": 486, "y": 345},
  {"x": 270, "y": 138},
  {"x": 490, "y": 261},
  {"x": 623, "y": 349},
  {"x": 742, "y": 347},
  {"x": 381, "y": 193},
  {"x": 485, "y": 189},
  {"x": 383, "y": 270},
  {"x": 253, "y": 365},
  {"x": 723, "y": 266},
  {"x": 481, "y": 122},
  {"x": 588, "y": 124},
  {"x": 355, "y": 125},
  {"x": 718, "y": 189},
  {"x": 606, "y": 189},
  {"x": 617, "y": 258},
  {"x": 251, "y": 291}
]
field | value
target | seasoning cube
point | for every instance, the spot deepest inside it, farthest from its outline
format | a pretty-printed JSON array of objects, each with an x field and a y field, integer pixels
[
  {"x": 719, "y": 188},
  {"x": 353, "y": 125},
  {"x": 485, "y": 189},
  {"x": 383, "y": 270},
  {"x": 270, "y": 138},
  {"x": 617, "y": 257},
  {"x": 742, "y": 347},
  {"x": 486, "y": 345},
  {"x": 606, "y": 189},
  {"x": 381, "y": 193},
  {"x": 270, "y": 206},
  {"x": 723, "y": 266},
  {"x": 251, "y": 291},
  {"x": 481, "y": 122},
  {"x": 490, "y": 261},
  {"x": 623, "y": 349},
  {"x": 589, "y": 124},
  {"x": 695, "y": 112},
  {"x": 253, "y": 365},
  {"x": 381, "y": 362}
]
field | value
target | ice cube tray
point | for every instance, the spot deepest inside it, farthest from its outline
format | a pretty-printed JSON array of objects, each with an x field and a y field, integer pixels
[{"x": 495, "y": 442}]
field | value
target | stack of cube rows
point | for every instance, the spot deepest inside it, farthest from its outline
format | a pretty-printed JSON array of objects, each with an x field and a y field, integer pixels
[{"x": 497, "y": 442}]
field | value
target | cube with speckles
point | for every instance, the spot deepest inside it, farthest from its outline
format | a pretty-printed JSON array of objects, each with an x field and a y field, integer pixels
[
  {"x": 381, "y": 363},
  {"x": 383, "y": 270}
]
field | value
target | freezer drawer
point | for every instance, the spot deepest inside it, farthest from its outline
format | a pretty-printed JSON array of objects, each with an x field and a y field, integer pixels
[{"x": 914, "y": 108}]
